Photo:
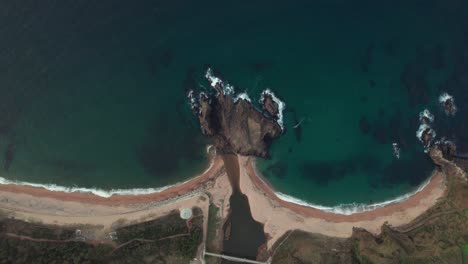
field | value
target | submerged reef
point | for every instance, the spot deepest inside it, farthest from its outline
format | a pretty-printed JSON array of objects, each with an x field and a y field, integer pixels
[{"x": 233, "y": 123}]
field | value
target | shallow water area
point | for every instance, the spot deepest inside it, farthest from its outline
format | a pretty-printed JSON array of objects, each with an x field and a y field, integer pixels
[{"x": 94, "y": 94}]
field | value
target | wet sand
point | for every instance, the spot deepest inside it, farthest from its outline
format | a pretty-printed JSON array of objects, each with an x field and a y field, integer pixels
[
  {"x": 114, "y": 200},
  {"x": 278, "y": 216}
]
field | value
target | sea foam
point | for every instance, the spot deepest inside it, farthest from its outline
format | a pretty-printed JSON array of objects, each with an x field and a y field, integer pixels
[
  {"x": 192, "y": 100},
  {"x": 227, "y": 88},
  {"x": 445, "y": 98},
  {"x": 98, "y": 191},
  {"x": 426, "y": 116},
  {"x": 352, "y": 208},
  {"x": 242, "y": 96},
  {"x": 95, "y": 191},
  {"x": 419, "y": 134},
  {"x": 396, "y": 150},
  {"x": 281, "y": 105}
]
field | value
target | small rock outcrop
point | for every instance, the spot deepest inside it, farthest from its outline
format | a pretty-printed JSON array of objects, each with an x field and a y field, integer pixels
[{"x": 270, "y": 105}]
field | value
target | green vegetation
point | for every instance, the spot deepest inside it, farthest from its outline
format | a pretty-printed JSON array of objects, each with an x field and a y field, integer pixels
[
  {"x": 14, "y": 250},
  {"x": 440, "y": 235},
  {"x": 213, "y": 238},
  {"x": 214, "y": 225},
  {"x": 155, "y": 240},
  {"x": 153, "y": 230},
  {"x": 301, "y": 247},
  {"x": 465, "y": 253},
  {"x": 34, "y": 230},
  {"x": 165, "y": 240}
]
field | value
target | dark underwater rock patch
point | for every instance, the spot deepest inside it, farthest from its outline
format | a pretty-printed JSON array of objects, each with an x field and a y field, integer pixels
[
  {"x": 322, "y": 172},
  {"x": 161, "y": 158},
  {"x": 166, "y": 58},
  {"x": 278, "y": 169},
  {"x": 159, "y": 61},
  {"x": 413, "y": 78},
  {"x": 364, "y": 125},
  {"x": 9, "y": 156},
  {"x": 412, "y": 172},
  {"x": 390, "y": 47},
  {"x": 367, "y": 59},
  {"x": 437, "y": 57},
  {"x": 261, "y": 66}
]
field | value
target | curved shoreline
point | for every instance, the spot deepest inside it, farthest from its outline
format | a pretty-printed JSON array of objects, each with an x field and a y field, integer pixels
[
  {"x": 341, "y": 209},
  {"x": 118, "y": 196},
  {"x": 142, "y": 195},
  {"x": 101, "y": 192},
  {"x": 277, "y": 215},
  {"x": 433, "y": 183}
]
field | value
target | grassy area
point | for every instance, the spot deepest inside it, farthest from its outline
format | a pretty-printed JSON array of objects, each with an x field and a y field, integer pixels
[
  {"x": 14, "y": 250},
  {"x": 213, "y": 238},
  {"x": 436, "y": 236},
  {"x": 214, "y": 224},
  {"x": 465, "y": 253},
  {"x": 302, "y": 247},
  {"x": 35, "y": 230},
  {"x": 170, "y": 225},
  {"x": 164, "y": 240}
]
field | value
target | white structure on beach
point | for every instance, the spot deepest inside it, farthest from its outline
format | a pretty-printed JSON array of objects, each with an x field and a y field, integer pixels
[{"x": 185, "y": 213}]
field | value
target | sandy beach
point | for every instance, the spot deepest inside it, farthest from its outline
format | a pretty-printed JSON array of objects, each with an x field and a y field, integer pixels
[{"x": 278, "y": 216}]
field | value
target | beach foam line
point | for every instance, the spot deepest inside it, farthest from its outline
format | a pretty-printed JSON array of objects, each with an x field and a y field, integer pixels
[
  {"x": 98, "y": 191},
  {"x": 353, "y": 208}
]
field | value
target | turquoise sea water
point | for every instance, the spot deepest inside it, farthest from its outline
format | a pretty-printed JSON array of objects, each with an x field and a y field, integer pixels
[{"x": 93, "y": 94}]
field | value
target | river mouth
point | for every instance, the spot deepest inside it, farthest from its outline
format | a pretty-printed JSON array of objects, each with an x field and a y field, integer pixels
[{"x": 243, "y": 236}]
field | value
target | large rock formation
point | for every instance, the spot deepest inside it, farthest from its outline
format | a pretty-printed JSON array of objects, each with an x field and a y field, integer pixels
[{"x": 234, "y": 124}]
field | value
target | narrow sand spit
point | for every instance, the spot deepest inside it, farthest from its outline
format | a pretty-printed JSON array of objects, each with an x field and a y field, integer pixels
[{"x": 278, "y": 216}]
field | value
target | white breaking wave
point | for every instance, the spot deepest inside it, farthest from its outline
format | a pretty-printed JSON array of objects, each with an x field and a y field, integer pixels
[
  {"x": 426, "y": 115},
  {"x": 396, "y": 150},
  {"x": 421, "y": 129},
  {"x": 353, "y": 208},
  {"x": 242, "y": 96},
  {"x": 443, "y": 99},
  {"x": 281, "y": 105},
  {"x": 98, "y": 191},
  {"x": 192, "y": 99},
  {"x": 95, "y": 191},
  {"x": 213, "y": 79},
  {"x": 227, "y": 88},
  {"x": 419, "y": 133}
]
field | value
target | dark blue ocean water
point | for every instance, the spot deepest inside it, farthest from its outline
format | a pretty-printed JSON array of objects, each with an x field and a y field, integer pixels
[{"x": 93, "y": 93}]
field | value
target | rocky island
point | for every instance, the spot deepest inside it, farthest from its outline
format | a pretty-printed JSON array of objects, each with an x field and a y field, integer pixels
[{"x": 234, "y": 124}]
